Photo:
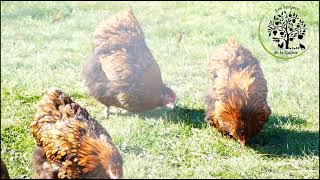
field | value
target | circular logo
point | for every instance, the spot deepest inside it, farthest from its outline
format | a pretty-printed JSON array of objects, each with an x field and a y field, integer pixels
[{"x": 283, "y": 32}]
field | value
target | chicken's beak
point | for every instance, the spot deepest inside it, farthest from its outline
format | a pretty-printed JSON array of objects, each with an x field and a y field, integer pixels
[
  {"x": 170, "y": 105},
  {"x": 242, "y": 142},
  {"x": 114, "y": 176}
]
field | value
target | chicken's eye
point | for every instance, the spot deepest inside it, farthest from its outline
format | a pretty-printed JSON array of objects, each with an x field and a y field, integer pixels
[{"x": 240, "y": 131}]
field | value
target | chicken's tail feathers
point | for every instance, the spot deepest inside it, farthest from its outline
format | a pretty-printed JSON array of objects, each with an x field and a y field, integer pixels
[
  {"x": 51, "y": 100},
  {"x": 49, "y": 109},
  {"x": 53, "y": 92},
  {"x": 56, "y": 96},
  {"x": 130, "y": 9},
  {"x": 232, "y": 41},
  {"x": 116, "y": 30}
]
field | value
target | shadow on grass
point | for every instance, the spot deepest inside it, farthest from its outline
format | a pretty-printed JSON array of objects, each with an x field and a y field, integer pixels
[
  {"x": 193, "y": 117},
  {"x": 276, "y": 141},
  {"x": 273, "y": 140}
]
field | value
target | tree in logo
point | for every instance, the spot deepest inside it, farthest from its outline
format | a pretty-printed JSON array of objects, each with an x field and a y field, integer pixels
[{"x": 285, "y": 27}]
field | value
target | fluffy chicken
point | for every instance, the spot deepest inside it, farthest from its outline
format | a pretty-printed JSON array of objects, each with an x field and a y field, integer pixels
[
  {"x": 4, "y": 170},
  {"x": 121, "y": 71},
  {"x": 71, "y": 144},
  {"x": 237, "y": 103}
]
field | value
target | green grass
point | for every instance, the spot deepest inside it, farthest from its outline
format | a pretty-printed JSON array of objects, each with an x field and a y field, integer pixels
[{"x": 37, "y": 53}]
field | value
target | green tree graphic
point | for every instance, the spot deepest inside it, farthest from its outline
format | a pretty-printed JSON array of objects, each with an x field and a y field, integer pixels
[{"x": 286, "y": 27}]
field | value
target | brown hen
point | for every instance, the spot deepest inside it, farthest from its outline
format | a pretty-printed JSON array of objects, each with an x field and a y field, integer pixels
[
  {"x": 237, "y": 104},
  {"x": 121, "y": 71},
  {"x": 4, "y": 170},
  {"x": 71, "y": 144}
]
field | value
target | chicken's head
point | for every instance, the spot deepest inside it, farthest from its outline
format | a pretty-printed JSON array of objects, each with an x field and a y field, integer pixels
[
  {"x": 239, "y": 132},
  {"x": 231, "y": 113},
  {"x": 168, "y": 97},
  {"x": 115, "y": 170},
  {"x": 111, "y": 159}
]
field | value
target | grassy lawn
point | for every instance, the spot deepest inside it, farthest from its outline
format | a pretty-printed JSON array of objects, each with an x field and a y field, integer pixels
[{"x": 44, "y": 44}]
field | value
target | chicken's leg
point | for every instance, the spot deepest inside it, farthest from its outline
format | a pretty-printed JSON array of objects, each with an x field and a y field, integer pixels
[
  {"x": 117, "y": 111},
  {"x": 106, "y": 112},
  {"x": 123, "y": 111}
]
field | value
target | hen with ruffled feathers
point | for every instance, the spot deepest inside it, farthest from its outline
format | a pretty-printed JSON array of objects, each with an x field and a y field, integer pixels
[
  {"x": 237, "y": 103},
  {"x": 70, "y": 143}
]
